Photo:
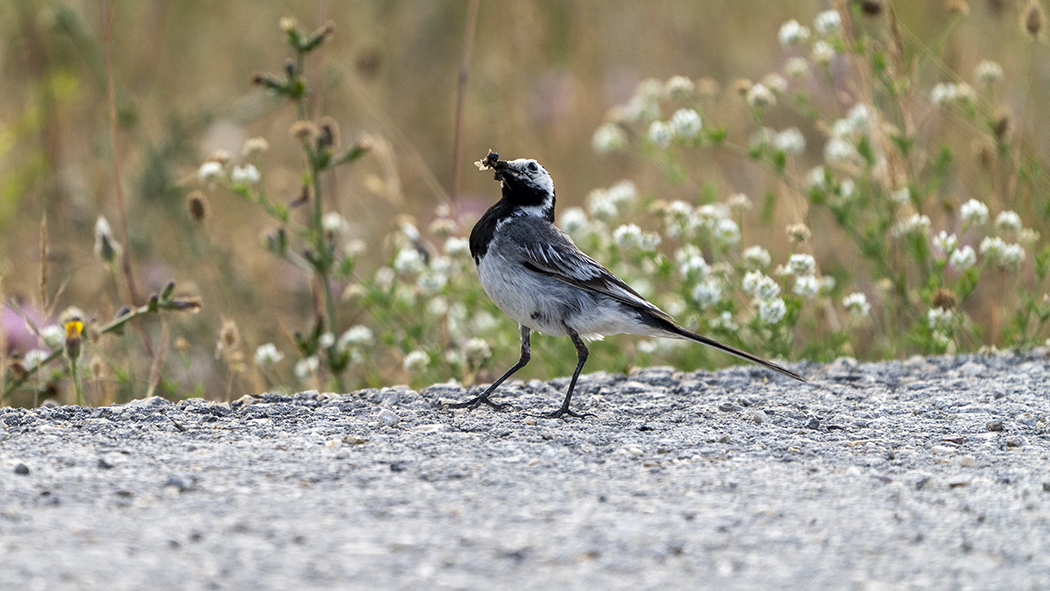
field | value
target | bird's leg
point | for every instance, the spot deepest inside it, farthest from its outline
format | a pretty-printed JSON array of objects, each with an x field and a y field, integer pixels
[
  {"x": 581, "y": 354},
  {"x": 483, "y": 398}
]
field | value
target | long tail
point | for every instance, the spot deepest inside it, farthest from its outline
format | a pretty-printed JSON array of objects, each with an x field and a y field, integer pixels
[{"x": 677, "y": 331}]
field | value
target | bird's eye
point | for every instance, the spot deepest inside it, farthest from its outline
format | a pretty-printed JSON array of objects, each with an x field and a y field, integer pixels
[{"x": 533, "y": 167}]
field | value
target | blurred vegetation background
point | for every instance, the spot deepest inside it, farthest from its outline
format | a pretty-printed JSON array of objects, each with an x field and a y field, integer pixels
[{"x": 542, "y": 76}]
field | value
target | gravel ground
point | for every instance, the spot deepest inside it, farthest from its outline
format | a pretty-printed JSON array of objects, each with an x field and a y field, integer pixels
[{"x": 923, "y": 474}]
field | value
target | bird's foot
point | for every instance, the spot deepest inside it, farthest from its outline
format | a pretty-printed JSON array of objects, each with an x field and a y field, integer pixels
[
  {"x": 564, "y": 413},
  {"x": 478, "y": 401}
]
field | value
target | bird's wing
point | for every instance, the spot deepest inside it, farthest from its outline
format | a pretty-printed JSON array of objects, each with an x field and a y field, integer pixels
[{"x": 557, "y": 257}]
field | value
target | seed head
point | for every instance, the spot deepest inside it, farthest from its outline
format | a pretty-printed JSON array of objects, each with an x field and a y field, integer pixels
[
  {"x": 305, "y": 131},
  {"x": 197, "y": 205},
  {"x": 1034, "y": 18}
]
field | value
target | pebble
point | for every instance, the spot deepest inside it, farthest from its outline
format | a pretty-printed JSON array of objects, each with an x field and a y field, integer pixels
[
  {"x": 813, "y": 423},
  {"x": 388, "y": 418},
  {"x": 1014, "y": 441},
  {"x": 942, "y": 449},
  {"x": 21, "y": 469},
  {"x": 967, "y": 461},
  {"x": 995, "y": 425},
  {"x": 760, "y": 417},
  {"x": 727, "y": 407},
  {"x": 956, "y": 439}
]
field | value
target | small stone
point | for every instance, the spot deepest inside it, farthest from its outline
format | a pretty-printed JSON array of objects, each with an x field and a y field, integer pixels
[
  {"x": 957, "y": 481},
  {"x": 942, "y": 449},
  {"x": 22, "y": 470},
  {"x": 634, "y": 450},
  {"x": 995, "y": 425},
  {"x": 1046, "y": 487},
  {"x": 967, "y": 461},
  {"x": 922, "y": 482},
  {"x": 177, "y": 483},
  {"x": 333, "y": 444},
  {"x": 354, "y": 440},
  {"x": 956, "y": 439},
  {"x": 813, "y": 423},
  {"x": 972, "y": 369},
  {"x": 723, "y": 439},
  {"x": 103, "y": 464},
  {"x": 1014, "y": 441},
  {"x": 760, "y": 417},
  {"x": 727, "y": 407},
  {"x": 388, "y": 418},
  {"x": 794, "y": 450}
]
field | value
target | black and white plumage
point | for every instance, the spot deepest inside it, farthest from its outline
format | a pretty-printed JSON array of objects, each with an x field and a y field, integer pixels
[{"x": 535, "y": 273}]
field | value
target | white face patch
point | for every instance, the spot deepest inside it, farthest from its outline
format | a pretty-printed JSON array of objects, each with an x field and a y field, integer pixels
[{"x": 539, "y": 177}]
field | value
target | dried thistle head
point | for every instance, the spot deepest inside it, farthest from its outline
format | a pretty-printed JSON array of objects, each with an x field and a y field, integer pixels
[
  {"x": 197, "y": 205},
  {"x": 329, "y": 132},
  {"x": 798, "y": 233},
  {"x": 943, "y": 298},
  {"x": 1033, "y": 18},
  {"x": 229, "y": 335},
  {"x": 107, "y": 249},
  {"x": 181, "y": 345}
]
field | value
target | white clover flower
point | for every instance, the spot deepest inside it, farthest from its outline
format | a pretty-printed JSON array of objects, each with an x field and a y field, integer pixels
[
  {"x": 775, "y": 83},
  {"x": 477, "y": 351},
  {"x": 1011, "y": 256},
  {"x": 760, "y": 286},
  {"x": 602, "y": 205},
  {"x": 771, "y": 311},
  {"x": 839, "y": 152},
  {"x": 991, "y": 246},
  {"x": 1008, "y": 222},
  {"x": 806, "y": 286},
  {"x": 947, "y": 93},
  {"x": 817, "y": 178},
  {"x": 917, "y": 223},
  {"x": 760, "y": 97},
  {"x": 305, "y": 368},
  {"x": 974, "y": 212},
  {"x": 456, "y": 246},
  {"x": 856, "y": 304},
  {"x": 828, "y": 23},
  {"x": 408, "y": 260},
  {"x": 943, "y": 93},
  {"x": 678, "y": 87},
  {"x": 989, "y": 72},
  {"x": 416, "y": 361},
  {"x": 939, "y": 318},
  {"x": 627, "y": 236},
  {"x": 790, "y": 141},
  {"x": 945, "y": 242},
  {"x": 326, "y": 340},
  {"x": 267, "y": 355},
  {"x": 823, "y": 52},
  {"x": 690, "y": 262},
  {"x": 726, "y": 232},
  {"x": 797, "y": 67},
  {"x": 963, "y": 258},
  {"x": 802, "y": 264},
  {"x": 739, "y": 202},
  {"x": 901, "y": 196},
  {"x": 356, "y": 336},
  {"x": 792, "y": 34},
  {"x": 210, "y": 171},
  {"x": 246, "y": 175},
  {"x": 725, "y": 321},
  {"x": 846, "y": 190},
  {"x": 573, "y": 220},
  {"x": 431, "y": 282},
  {"x": 34, "y": 357},
  {"x": 54, "y": 336},
  {"x": 756, "y": 257},
  {"x": 685, "y": 123},
  {"x": 859, "y": 118},
  {"x": 622, "y": 192},
  {"x": 827, "y": 283},
  {"x": 707, "y": 293},
  {"x": 660, "y": 133},
  {"x": 641, "y": 108},
  {"x": 609, "y": 139},
  {"x": 334, "y": 223}
]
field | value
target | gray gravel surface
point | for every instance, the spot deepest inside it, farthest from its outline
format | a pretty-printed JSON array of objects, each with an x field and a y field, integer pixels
[{"x": 923, "y": 474}]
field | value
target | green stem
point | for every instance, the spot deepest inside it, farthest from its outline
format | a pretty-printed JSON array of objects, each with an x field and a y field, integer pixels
[{"x": 76, "y": 381}]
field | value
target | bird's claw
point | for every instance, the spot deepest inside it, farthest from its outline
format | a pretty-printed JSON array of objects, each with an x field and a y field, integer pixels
[
  {"x": 477, "y": 401},
  {"x": 564, "y": 413}
]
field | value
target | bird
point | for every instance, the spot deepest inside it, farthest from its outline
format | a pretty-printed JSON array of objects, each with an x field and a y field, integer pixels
[{"x": 535, "y": 274}]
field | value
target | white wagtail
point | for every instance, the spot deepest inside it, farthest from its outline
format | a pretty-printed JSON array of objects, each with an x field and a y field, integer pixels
[{"x": 536, "y": 275}]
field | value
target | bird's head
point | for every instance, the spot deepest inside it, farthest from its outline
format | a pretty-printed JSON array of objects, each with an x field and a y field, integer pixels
[{"x": 525, "y": 183}]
